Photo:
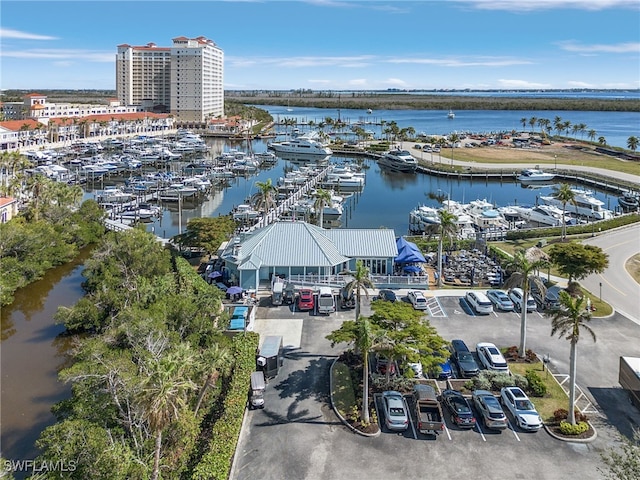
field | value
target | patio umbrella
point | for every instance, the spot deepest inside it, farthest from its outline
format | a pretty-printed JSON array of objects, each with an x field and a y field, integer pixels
[
  {"x": 234, "y": 290},
  {"x": 215, "y": 274},
  {"x": 411, "y": 268}
]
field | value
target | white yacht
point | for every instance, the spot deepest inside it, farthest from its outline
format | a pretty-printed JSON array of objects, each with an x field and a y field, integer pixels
[
  {"x": 586, "y": 205},
  {"x": 543, "y": 214},
  {"x": 530, "y": 175},
  {"x": 244, "y": 213},
  {"x": 306, "y": 144},
  {"x": 485, "y": 216},
  {"x": 425, "y": 215},
  {"x": 399, "y": 160}
]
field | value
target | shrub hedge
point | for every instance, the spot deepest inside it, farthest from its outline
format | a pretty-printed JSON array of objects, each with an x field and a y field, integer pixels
[
  {"x": 567, "y": 429},
  {"x": 216, "y": 462}
]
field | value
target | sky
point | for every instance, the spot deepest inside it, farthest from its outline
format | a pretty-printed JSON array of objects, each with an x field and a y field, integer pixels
[{"x": 335, "y": 44}]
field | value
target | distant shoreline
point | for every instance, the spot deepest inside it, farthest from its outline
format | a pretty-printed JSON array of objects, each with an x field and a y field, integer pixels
[{"x": 396, "y": 101}]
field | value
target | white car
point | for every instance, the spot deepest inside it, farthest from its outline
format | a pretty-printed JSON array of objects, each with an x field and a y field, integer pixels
[
  {"x": 491, "y": 357},
  {"x": 517, "y": 297},
  {"x": 522, "y": 409},
  {"x": 417, "y": 299}
]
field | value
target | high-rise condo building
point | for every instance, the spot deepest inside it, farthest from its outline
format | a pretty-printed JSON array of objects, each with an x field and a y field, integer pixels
[{"x": 186, "y": 79}]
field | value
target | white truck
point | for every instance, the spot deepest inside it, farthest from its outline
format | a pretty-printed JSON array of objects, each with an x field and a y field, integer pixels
[
  {"x": 629, "y": 377},
  {"x": 326, "y": 301}
]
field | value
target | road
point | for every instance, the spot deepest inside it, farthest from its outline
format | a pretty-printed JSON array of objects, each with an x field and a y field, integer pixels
[{"x": 618, "y": 287}]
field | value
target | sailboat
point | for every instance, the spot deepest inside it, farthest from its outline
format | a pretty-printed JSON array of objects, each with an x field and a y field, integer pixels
[
  {"x": 289, "y": 109},
  {"x": 451, "y": 114}
]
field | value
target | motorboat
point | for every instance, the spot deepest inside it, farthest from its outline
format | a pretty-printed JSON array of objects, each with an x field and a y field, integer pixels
[
  {"x": 306, "y": 144},
  {"x": 585, "y": 204},
  {"x": 629, "y": 201},
  {"x": 543, "y": 214},
  {"x": 451, "y": 115},
  {"x": 529, "y": 175},
  {"x": 399, "y": 160},
  {"x": 245, "y": 213},
  {"x": 114, "y": 195},
  {"x": 485, "y": 216},
  {"x": 426, "y": 215},
  {"x": 344, "y": 180},
  {"x": 177, "y": 191}
]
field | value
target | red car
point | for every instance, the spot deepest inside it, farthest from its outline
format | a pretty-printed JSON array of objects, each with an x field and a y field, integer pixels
[{"x": 305, "y": 299}]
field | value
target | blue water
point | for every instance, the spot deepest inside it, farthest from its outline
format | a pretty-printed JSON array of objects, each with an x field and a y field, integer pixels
[
  {"x": 385, "y": 201},
  {"x": 615, "y": 127}
]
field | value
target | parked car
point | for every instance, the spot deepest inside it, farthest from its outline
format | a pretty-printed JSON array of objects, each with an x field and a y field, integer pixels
[
  {"x": 491, "y": 357},
  {"x": 522, "y": 409},
  {"x": 464, "y": 359},
  {"x": 500, "y": 300},
  {"x": 479, "y": 302},
  {"x": 489, "y": 409},
  {"x": 549, "y": 300},
  {"x": 444, "y": 371},
  {"x": 396, "y": 416},
  {"x": 417, "y": 299},
  {"x": 305, "y": 299},
  {"x": 382, "y": 365},
  {"x": 458, "y": 406},
  {"x": 517, "y": 297},
  {"x": 387, "y": 295}
]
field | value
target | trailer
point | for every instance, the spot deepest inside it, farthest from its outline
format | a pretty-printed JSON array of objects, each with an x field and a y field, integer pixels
[
  {"x": 629, "y": 377},
  {"x": 270, "y": 356}
]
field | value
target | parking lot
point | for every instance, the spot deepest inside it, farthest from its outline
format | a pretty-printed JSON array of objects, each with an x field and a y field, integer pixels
[{"x": 297, "y": 434}]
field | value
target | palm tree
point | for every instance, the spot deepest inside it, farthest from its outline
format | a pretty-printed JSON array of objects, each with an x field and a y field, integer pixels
[
  {"x": 322, "y": 198},
  {"x": 265, "y": 195},
  {"x": 567, "y": 321},
  {"x": 632, "y": 143},
  {"x": 523, "y": 121},
  {"x": 592, "y": 134},
  {"x": 524, "y": 265},
  {"x": 220, "y": 361},
  {"x": 564, "y": 194},
  {"x": 453, "y": 138},
  {"x": 164, "y": 391},
  {"x": 447, "y": 229},
  {"x": 360, "y": 282}
]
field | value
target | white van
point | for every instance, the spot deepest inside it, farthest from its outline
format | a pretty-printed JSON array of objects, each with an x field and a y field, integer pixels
[
  {"x": 479, "y": 302},
  {"x": 326, "y": 301}
]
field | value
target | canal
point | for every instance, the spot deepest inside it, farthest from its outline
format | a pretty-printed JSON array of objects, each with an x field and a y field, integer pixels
[{"x": 32, "y": 353}]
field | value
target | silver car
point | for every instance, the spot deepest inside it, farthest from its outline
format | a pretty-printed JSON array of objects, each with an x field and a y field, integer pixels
[
  {"x": 396, "y": 416},
  {"x": 490, "y": 410}
]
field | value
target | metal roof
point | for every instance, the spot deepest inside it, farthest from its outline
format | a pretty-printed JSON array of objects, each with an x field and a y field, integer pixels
[
  {"x": 365, "y": 242},
  {"x": 287, "y": 243}
]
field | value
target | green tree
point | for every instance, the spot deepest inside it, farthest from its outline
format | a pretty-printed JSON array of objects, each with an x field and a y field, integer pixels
[
  {"x": 577, "y": 260},
  {"x": 265, "y": 197},
  {"x": 360, "y": 282},
  {"x": 322, "y": 198},
  {"x": 164, "y": 393},
  {"x": 568, "y": 321},
  {"x": 207, "y": 233},
  {"x": 453, "y": 139},
  {"x": 565, "y": 194},
  {"x": 632, "y": 143},
  {"x": 219, "y": 360},
  {"x": 523, "y": 267},
  {"x": 446, "y": 230}
]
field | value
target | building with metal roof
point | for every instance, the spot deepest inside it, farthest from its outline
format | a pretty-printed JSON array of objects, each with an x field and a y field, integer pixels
[{"x": 288, "y": 248}]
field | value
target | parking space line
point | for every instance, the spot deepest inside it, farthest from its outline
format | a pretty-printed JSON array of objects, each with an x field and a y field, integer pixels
[
  {"x": 447, "y": 430},
  {"x": 413, "y": 428},
  {"x": 481, "y": 432},
  {"x": 511, "y": 427}
]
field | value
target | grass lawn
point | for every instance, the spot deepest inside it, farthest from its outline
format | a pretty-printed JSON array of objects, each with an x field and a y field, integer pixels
[
  {"x": 344, "y": 397},
  {"x": 633, "y": 267},
  {"x": 556, "y": 397}
]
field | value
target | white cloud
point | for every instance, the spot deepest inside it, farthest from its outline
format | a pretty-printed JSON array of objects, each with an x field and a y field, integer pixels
[
  {"x": 451, "y": 62},
  {"x": 531, "y": 5},
  {"x": 521, "y": 84},
  {"x": 629, "y": 47},
  {"x": 301, "y": 62},
  {"x": 70, "y": 55},
  {"x": 357, "y": 82},
  {"x": 396, "y": 82},
  {"x": 579, "y": 84},
  {"x": 17, "y": 34}
]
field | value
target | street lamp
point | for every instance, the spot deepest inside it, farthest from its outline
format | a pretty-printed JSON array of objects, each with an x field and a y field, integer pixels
[
  {"x": 555, "y": 162},
  {"x": 600, "y": 291}
]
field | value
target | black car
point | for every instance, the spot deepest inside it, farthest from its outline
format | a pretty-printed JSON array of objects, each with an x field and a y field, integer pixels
[
  {"x": 458, "y": 406},
  {"x": 464, "y": 359},
  {"x": 387, "y": 295}
]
